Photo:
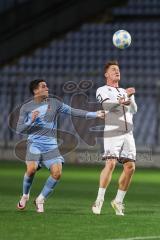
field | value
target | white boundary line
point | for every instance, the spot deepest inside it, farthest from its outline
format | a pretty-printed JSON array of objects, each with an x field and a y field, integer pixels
[{"x": 136, "y": 238}]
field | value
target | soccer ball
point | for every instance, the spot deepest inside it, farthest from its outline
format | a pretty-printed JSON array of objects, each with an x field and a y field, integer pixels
[{"x": 121, "y": 39}]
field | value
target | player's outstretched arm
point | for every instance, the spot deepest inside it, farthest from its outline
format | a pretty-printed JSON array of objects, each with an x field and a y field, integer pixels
[{"x": 81, "y": 113}]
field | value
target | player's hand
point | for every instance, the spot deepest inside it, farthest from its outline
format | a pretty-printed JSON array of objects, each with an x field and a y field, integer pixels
[
  {"x": 122, "y": 101},
  {"x": 101, "y": 114},
  {"x": 34, "y": 115},
  {"x": 130, "y": 91}
]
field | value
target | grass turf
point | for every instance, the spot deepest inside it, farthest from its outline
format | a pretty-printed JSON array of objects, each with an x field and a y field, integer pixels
[{"x": 68, "y": 213}]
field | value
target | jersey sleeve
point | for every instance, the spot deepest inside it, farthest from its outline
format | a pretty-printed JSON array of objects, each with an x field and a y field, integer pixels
[
  {"x": 101, "y": 96},
  {"x": 24, "y": 122},
  {"x": 133, "y": 105},
  {"x": 64, "y": 108}
]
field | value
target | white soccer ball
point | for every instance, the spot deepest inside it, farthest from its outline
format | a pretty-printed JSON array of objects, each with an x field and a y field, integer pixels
[{"x": 121, "y": 39}]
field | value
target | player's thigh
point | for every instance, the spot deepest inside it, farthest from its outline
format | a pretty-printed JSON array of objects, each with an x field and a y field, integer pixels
[
  {"x": 110, "y": 164},
  {"x": 48, "y": 163},
  {"x": 33, "y": 156},
  {"x": 33, "y": 153},
  {"x": 51, "y": 156},
  {"x": 129, "y": 148}
]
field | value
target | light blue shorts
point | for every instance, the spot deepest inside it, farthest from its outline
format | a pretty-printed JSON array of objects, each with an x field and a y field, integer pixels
[{"x": 43, "y": 154}]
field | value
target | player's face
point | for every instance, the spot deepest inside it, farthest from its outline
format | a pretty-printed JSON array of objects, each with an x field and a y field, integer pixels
[
  {"x": 42, "y": 90},
  {"x": 113, "y": 73}
]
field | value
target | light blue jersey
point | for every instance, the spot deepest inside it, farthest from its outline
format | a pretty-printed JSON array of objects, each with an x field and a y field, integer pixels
[{"x": 42, "y": 139}]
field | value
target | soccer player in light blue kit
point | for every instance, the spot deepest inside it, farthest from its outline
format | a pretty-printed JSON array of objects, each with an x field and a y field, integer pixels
[{"x": 38, "y": 119}]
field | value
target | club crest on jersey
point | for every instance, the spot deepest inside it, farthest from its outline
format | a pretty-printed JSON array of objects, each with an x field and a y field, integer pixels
[{"x": 49, "y": 107}]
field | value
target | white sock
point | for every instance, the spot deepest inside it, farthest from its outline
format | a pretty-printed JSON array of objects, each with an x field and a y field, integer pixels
[
  {"x": 41, "y": 197},
  {"x": 26, "y": 195},
  {"x": 120, "y": 196},
  {"x": 101, "y": 193}
]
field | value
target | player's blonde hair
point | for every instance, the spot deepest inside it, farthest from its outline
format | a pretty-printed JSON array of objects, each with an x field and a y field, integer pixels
[{"x": 110, "y": 63}]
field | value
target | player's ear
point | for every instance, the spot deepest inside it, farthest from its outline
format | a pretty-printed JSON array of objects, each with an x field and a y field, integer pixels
[
  {"x": 106, "y": 74},
  {"x": 35, "y": 91}
]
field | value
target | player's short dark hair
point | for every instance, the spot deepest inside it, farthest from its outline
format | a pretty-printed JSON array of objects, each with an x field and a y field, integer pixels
[
  {"x": 34, "y": 84},
  {"x": 109, "y": 63}
]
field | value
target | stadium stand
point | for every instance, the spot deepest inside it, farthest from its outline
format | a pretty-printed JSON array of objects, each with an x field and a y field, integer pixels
[
  {"x": 81, "y": 54},
  {"x": 139, "y": 7}
]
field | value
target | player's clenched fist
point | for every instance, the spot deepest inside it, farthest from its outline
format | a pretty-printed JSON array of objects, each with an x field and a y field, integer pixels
[
  {"x": 101, "y": 114},
  {"x": 34, "y": 115},
  {"x": 130, "y": 91}
]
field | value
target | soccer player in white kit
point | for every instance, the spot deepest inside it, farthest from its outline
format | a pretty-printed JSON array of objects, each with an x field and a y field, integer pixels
[{"x": 119, "y": 144}]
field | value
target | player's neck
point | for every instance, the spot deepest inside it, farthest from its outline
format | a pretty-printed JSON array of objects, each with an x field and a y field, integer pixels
[
  {"x": 113, "y": 84},
  {"x": 39, "y": 99}
]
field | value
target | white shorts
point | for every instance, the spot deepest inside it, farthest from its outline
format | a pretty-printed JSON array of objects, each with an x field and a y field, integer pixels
[{"x": 121, "y": 147}]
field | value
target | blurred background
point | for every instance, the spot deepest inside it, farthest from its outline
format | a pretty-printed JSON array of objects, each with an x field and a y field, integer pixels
[{"x": 67, "y": 42}]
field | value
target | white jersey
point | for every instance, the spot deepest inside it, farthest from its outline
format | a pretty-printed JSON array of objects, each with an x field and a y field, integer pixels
[{"x": 119, "y": 118}]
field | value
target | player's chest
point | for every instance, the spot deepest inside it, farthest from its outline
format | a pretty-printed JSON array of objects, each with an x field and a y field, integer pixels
[
  {"x": 116, "y": 93},
  {"x": 46, "y": 112}
]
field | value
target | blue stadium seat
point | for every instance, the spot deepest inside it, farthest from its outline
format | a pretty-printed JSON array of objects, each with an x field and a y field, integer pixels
[{"x": 81, "y": 55}]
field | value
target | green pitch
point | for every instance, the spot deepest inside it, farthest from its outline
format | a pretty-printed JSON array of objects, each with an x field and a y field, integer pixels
[{"x": 68, "y": 211}]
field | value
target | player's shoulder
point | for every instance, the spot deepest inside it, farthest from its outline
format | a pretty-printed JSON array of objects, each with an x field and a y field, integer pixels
[
  {"x": 102, "y": 88},
  {"x": 105, "y": 89},
  {"x": 27, "y": 104},
  {"x": 55, "y": 101}
]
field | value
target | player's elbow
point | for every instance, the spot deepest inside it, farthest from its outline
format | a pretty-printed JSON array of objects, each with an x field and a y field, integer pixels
[
  {"x": 18, "y": 129},
  {"x": 135, "y": 111},
  {"x": 135, "y": 108}
]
